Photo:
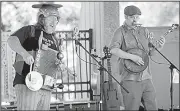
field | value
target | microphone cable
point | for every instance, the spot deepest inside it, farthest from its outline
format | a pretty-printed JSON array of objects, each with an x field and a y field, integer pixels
[
  {"x": 158, "y": 62},
  {"x": 83, "y": 59}
]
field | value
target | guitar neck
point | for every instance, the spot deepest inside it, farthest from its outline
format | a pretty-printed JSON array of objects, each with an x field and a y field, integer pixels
[{"x": 109, "y": 70}]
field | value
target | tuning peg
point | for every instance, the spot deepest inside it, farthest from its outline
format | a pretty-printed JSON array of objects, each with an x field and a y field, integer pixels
[
  {"x": 175, "y": 26},
  {"x": 76, "y": 31}
]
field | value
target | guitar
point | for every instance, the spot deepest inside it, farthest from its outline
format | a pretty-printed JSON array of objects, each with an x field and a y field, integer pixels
[
  {"x": 131, "y": 66},
  {"x": 112, "y": 97}
]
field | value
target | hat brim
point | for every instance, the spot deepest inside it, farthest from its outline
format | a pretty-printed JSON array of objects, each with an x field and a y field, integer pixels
[{"x": 44, "y": 4}]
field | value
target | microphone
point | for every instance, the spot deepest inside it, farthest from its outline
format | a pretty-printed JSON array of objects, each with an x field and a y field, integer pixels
[
  {"x": 75, "y": 36},
  {"x": 93, "y": 52},
  {"x": 75, "y": 33}
]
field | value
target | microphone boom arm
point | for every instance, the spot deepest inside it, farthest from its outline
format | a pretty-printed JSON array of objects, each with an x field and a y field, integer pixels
[{"x": 76, "y": 31}]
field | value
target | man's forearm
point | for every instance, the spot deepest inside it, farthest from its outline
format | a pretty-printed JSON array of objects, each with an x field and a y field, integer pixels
[
  {"x": 16, "y": 46},
  {"x": 120, "y": 53}
]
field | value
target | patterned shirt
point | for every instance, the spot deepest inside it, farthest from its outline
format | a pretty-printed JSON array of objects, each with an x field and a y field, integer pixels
[
  {"x": 126, "y": 38},
  {"x": 29, "y": 42}
]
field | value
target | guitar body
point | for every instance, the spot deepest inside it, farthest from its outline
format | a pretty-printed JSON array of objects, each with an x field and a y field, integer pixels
[
  {"x": 112, "y": 97},
  {"x": 131, "y": 66}
]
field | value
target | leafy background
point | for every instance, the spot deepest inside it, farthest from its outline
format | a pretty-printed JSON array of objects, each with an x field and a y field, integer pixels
[{"x": 17, "y": 14}]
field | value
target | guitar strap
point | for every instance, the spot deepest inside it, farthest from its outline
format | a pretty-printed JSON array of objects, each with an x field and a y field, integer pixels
[
  {"x": 137, "y": 40},
  {"x": 123, "y": 46}
]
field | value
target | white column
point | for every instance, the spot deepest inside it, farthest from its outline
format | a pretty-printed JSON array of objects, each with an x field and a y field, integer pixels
[
  {"x": 103, "y": 18},
  {"x": 92, "y": 16}
]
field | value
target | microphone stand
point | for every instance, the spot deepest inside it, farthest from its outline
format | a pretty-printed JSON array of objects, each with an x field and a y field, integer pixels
[
  {"x": 171, "y": 67},
  {"x": 101, "y": 67}
]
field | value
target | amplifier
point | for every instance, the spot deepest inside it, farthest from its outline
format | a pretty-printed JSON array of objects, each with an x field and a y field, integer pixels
[{"x": 81, "y": 106}]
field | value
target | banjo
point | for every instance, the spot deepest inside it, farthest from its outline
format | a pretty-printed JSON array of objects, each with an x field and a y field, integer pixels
[{"x": 131, "y": 66}]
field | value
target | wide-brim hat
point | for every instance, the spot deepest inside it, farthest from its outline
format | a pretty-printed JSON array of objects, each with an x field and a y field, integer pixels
[
  {"x": 46, "y": 4},
  {"x": 48, "y": 9}
]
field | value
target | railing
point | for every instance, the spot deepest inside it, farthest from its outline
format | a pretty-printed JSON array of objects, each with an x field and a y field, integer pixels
[{"x": 78, "y": 61}]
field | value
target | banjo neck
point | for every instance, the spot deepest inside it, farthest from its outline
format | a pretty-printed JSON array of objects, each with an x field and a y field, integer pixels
[{"x": 174, "y": 26}]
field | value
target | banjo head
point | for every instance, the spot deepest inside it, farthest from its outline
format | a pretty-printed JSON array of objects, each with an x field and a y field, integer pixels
[
  {"x": 34, "y": 81},
  {"x": 131, "y": 66}
]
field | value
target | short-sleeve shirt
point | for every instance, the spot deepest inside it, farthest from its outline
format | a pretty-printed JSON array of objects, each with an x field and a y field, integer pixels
[
  {"x": 28, "y": 37},
  {"x": 126, "y": 38}
]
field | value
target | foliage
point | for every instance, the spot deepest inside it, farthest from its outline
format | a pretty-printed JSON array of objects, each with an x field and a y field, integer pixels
[{"x": 18, "y": 14}]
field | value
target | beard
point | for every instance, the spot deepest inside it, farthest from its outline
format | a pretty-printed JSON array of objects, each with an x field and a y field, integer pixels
[
  {"x": 134, "y": 23},
  {"x": 49, "y": 29}
]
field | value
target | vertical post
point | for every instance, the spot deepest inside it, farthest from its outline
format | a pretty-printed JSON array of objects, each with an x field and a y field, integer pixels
[
  {"x": 90, "y": 72},
  {"x": 101, "y": 102},
  {"x": 92, "y": 18},
  {"x": 111, "y": 22},
  {"x": 171, "y": 86},
  {"x": 103, "y": 19}
]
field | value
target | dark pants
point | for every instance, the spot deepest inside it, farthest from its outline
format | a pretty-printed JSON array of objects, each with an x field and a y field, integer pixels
[{"x": 139, "y": 91}]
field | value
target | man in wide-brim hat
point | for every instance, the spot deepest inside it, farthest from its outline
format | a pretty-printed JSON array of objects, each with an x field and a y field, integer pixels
[{"x": 27, "y": 39}]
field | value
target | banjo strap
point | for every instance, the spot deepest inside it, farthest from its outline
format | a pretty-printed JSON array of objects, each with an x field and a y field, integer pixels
[{"x": 137, "y": 40}]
